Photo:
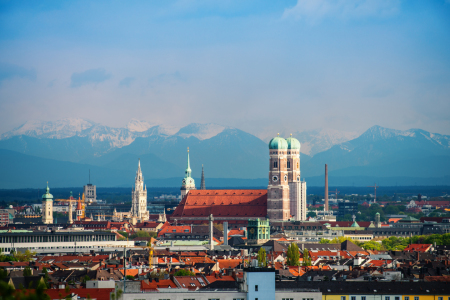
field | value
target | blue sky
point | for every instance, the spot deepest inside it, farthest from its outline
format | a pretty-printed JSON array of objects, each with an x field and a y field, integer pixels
[{"x": 261, "y": 66}]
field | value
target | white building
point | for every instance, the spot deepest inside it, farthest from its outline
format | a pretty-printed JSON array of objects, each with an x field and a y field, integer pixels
[
  {"x": 47, "y": 207},
  {"x": 139, "y": 197}
]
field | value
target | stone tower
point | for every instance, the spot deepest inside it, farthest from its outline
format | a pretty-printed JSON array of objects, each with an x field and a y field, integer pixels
[
  {"x": 278, "y": 207},
  {"x": 202, "y": 184},
  {"x": 139, "y": 197},
  {"x": 297, "y": 188},
  {"x": 188, "y": 182},
  {"x": 47, "y": 207}
]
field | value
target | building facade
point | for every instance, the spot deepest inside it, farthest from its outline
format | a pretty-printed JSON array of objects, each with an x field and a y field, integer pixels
[
  {"x": 278, "y": 203},
  {"x": 139, "y": 197},
  {"x": 258, "y": 231},
  {"x": 47, "y": 207},
  {"x": 286, "y": 192},
  {"x": 90, "y": 193}
]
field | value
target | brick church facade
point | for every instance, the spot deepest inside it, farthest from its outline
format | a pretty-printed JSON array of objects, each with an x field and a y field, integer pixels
[{"x": 284, "y": 198}]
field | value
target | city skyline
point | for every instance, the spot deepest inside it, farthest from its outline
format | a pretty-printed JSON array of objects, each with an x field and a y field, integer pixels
[{"x": 291, "y": 66}]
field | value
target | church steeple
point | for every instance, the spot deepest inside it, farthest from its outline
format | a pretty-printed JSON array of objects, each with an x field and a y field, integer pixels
[
  {"x": 202, "y": 184},
  {"x": 188, "y": 182},
  {"x": 188, "y": 169}
]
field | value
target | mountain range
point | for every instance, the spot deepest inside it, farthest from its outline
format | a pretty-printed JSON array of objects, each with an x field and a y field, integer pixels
[{"x": 64, "y": 151}]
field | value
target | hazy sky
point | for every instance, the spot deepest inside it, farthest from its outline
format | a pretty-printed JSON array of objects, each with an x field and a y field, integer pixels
[{"x": 262, "y": 66}]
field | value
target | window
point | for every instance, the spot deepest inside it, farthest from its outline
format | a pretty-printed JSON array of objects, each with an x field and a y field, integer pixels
[
  {"x": 353, "y": 298},
  {"x": 256, "y": 289},
  {"x": 440, "y": 298},
  {"x": 289, "y": 164},
  {"x": 275, "y": 164},
  {"x": 238, "y": 298},
  {"x": 214, "y": 299},
  {"x": 343, "y": 298},
  {"x": 397, "y": 298},
  {"x": 363, "y": 298},
  {"x": 416, "y": 298},
  {"x": 387, "y": 298}
]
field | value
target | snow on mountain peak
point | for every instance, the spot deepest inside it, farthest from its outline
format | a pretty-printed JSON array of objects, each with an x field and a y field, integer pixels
[
  {"x": 136, "y": 125},
  {"x": 201, "y": 131},
  {"x": 59, "y": 129}
]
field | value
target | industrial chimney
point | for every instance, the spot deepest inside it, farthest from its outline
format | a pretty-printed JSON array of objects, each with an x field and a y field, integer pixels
[
  {"x": 326, "y": 188},
  {"x": 211, "y": 236},
  {"x": 225, "y": 233}
]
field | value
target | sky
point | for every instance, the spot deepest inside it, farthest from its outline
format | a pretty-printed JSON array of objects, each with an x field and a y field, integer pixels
[{"x": 261, "y": 66}]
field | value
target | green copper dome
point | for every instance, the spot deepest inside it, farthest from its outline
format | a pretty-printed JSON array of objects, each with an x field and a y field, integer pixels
[
  {"x": 278, "y": 143},
  {"x": 47, "y": 195},
  {"x": 293, "y": 143}
]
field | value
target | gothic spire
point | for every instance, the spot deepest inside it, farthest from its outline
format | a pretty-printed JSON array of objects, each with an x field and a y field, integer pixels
[
  {"x": 188, "y": 169},
  {"x": 202, "y": 184}
]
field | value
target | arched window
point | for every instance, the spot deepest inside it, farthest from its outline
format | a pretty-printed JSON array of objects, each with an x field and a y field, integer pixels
[
  {"x": 289, "y": 164},
  {"x": 275, "y": 164}
]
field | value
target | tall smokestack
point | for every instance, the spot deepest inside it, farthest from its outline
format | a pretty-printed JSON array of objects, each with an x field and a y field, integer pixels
[
  {"x": 225, "y": 233},
  {"x": 326, "y": 188},
  {"x": 211, "y": 236}
]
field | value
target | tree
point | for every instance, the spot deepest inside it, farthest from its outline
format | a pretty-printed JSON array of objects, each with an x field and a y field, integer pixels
[
  {"x": 27, "y": 271},
  {"x": 293, "y": 255},
  {"x": 46, "y": 277},
  {"x": 116, "y": 295},
  {"x": 262, "y": 258},
  {"x": 325, "y": 241},
  {"x": 129, "y": 277},
  {"x": 142, "y": 233},
  {"x": 311, "y": 214},
  {"x": 25, "y": 256},
  {"x": 183, "y": 272},
  {"x": 306, "y": 258}
]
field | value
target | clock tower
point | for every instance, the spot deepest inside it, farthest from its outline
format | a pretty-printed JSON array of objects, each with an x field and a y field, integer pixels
[
  {"x": 278, "y": 207},
  {"x": 188, "y": 182}
]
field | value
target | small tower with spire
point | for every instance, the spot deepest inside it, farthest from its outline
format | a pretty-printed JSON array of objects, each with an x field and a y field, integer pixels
[
  {"x": 202, "y": 184},
  {"x": 188, "y": 182},
  {"x": 47, "y": 207}
]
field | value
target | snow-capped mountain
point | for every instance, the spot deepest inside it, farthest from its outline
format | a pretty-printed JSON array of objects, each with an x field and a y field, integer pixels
[
  {"x": 201, "y": 131},
  {"x": 319, "y": 140},
  {"x": 387, "y": 152},
  {"x": 136, "y": 125},
  {"x": 60, "y": 129},
  {"x": 316, "y": 140}
]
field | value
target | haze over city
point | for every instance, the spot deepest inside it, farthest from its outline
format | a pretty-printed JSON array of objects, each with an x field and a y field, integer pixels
[{"x": 281, "y": 66}]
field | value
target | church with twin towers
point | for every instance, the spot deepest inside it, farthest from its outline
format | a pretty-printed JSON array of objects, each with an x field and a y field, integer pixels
[{"x": 283, "y": 200}]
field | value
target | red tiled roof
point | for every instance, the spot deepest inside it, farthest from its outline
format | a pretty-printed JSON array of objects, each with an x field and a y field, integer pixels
[
  {"x": 174, "y": 229},
  {"x": 99, "y": 294},
  {"x": 233, "y": 232},
  {"x": 147, "y": 225},
  {"x": 223, "y": 203},
  {"x": 418, "y": 247},
  {"x": 378, "y": 263},
  {"x": 228, "y": 263},
  {"x": 152, "y": 286},
  {"x": 212, "y": 278}
]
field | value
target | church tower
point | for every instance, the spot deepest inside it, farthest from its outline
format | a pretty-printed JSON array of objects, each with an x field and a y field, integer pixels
[
  {"x": 47, "y": 207},
  {"x": 139, "y": 197},
  {"x": 297, "y": 189},
  {"x": 188, "y": 182},
  {"x": 278, "y": 207}
]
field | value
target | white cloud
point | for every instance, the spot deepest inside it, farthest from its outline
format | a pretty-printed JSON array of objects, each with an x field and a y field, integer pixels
[{"x": 314, "y": 10}]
